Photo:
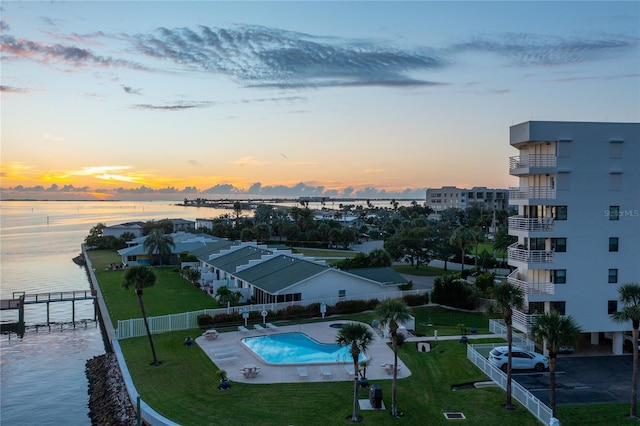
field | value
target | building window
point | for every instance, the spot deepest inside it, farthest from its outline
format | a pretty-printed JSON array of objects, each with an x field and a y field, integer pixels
[
  {"x": 562, "y": 183},
  {"x": 612, "y": 306},
  {"x": 613, "y": 244},
  {"x": 559, "y": 244},
  {"x": 537, "y": 244},
  {"x": 564, "y": 148},
  {"x": 536, "y": 307},
  {"x": 560, "y": 307},
  {"x": 342, "y": 293},
  {"x": 615, "y": 149},
  {"x": 613, "y": 276},
  {"x": 559, "y": 212},
  {"x": 559, "y": 276},
  {"x": 614, "y": 213},
  {"x": 615, "y": 181}
]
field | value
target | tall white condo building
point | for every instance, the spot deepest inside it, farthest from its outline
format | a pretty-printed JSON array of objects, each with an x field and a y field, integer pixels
[{"x": 578, "y": 221}]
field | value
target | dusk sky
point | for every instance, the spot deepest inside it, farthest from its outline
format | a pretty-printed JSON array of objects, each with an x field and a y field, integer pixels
[{"x": 166, "y": 100}]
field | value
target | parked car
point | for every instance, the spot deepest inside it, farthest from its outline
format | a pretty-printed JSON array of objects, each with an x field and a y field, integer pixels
[
  {"x": 520, "y": 359},
  {"x": 565, "y": 349}
]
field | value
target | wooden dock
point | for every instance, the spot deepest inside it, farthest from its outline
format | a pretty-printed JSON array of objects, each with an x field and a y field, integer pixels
[{"x": 20, "y": 299}]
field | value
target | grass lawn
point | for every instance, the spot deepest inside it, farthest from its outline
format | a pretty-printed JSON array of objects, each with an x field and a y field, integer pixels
[
  {"x": 488, "y": 246},
  {"x": 184, "y": 386},
  {"x": 171, "y": 293},
  {"x": 184, "y": 389}
]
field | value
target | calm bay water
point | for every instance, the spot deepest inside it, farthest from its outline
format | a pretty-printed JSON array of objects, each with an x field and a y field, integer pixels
[{"x": 43, "y": 374}]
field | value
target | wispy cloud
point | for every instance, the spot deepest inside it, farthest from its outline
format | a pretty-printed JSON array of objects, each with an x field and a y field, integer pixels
[
  {"x": 269, "y": 57},
  {"x": 248, "y": 161},
  {"x": 131, "y": 91},
  {"x": 14, "y": 48},
  {"x": 526, "y": 49},
  {"x": 176, "y": 107},
  {"x": 11, "y": 89}
]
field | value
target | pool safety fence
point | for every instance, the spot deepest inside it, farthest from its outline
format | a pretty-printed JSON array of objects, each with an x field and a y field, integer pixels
[{"x": 188, "y": 320}]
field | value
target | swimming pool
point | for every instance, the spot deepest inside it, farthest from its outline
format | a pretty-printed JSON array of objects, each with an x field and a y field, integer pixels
[{"x": 296, "y": 348}]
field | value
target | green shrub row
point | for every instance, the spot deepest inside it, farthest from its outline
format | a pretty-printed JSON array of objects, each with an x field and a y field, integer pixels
[{"x": 310, "y": 311}]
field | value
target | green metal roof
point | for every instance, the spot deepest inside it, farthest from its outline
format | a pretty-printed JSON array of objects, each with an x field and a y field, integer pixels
[
  {"x": 279, "y": 273},
  {"x": 385, "y": 275},
  {"x": 211, "y": 248},
  {"x": 230, "y": 261}
]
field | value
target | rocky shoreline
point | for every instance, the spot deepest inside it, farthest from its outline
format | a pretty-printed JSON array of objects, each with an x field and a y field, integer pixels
[{"x": 109, "y": 402}]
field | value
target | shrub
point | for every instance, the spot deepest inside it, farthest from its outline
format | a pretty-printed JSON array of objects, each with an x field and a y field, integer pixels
[
  {"x": 406, "y": 286},
  {"x": 455, "y": 292},
  {"x": 225, "y": 319},
  {"x": 353, "y": 306},
  {"x": 416, "y": 299},
  {"x": 205, "y": 320}
]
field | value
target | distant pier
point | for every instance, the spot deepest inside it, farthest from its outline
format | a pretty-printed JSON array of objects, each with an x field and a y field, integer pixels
[{"x": 20, "y": 299}]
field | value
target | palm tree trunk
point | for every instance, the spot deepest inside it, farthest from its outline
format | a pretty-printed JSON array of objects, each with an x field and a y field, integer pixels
[
  {"x": 462, "y": 260},
  {"x": 146, "y": 325},
  {"x": 476, "y": 258},
  {"x": 394, "y": 407},
  {"x": 354, "y": 416},
  {"x": 552, "y": 384}
]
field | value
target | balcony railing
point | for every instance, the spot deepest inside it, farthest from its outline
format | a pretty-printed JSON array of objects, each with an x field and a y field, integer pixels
[
  {"x": 528, "y": 192},
  {"x": 537, "y": 224},
  {"x": 523, "y": 321},
  {"x": 530, "y": 288},
  {"x": 522, "y": 254},
  {"x": 523, "y": 163}
]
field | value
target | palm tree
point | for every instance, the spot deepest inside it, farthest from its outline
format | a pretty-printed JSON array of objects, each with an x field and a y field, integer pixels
[
  {"x": 630, "y": 298},
  {"x": 461, "y": 237},
  {"x": 554, "y": 330},
  {"x": 359, "y": 337},
  {"x": 506, "y": 298},
  {"x": 392, "y": 313},
  {"x": 142, "y": 276},
  {"x": 160, "y": 244}
]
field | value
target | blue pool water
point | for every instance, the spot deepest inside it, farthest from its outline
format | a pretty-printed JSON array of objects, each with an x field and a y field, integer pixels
[{"x": 296, "y": 348}]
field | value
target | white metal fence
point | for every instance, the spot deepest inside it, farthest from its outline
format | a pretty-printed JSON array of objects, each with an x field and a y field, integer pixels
[
  {"x": 187, "y": 320},
  {"x": 478, "y": 354}
]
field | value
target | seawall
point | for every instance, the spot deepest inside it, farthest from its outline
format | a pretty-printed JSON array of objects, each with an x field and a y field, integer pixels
[{"x": 105, "y": 369}]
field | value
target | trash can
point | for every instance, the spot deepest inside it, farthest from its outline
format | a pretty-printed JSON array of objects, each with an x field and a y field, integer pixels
[{"x": 375, "y": 396}]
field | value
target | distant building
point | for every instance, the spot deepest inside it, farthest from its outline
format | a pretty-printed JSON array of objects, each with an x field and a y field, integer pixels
[
  {"x": 134, "y": 228},
  {"x": 451, "y": 197},
  {"x": 578, "y": 222}
]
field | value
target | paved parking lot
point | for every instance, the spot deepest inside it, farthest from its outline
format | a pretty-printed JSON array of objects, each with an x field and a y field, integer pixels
[{"x": 583, "y": 380}]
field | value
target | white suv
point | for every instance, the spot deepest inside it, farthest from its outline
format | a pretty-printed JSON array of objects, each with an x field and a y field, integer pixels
[{"x": 520, "y": 359}]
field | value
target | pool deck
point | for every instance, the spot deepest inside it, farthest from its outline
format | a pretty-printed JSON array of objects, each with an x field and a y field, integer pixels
[{"x": 228, "y": 353}]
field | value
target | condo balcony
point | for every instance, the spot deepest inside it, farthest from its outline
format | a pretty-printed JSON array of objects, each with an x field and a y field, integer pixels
[
  {"x": 530, "y": 288},
  {"x": 523, "y": 321},
  {"x": 532, "y": 164},
  {"x": 519, "y": 253},
  {"x": 532, "y": 192},
  {"x": 529, "y": 224}
]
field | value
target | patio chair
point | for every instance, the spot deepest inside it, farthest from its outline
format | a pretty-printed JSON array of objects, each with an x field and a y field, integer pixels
[
  {"x": 210, "y": 334},
  {"x": 350, "y": 371},
  {"x": 258, "y": 327},
  {"x": 302, "y": 372},
  {"x": 271, "y": 326},
  {"x": 243, "y": 329},
  {"x": 326, "y": 372}
]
